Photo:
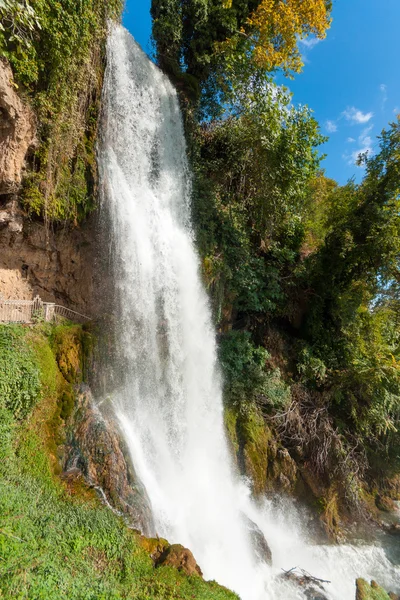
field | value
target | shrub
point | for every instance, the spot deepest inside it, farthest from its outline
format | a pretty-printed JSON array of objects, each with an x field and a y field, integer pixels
[
  {"x": 247, "y": 378},
  {"x": 19, "y": 373}
]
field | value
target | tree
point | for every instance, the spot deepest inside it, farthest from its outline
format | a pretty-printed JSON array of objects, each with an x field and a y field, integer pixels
[
  {"x": 255, "y": 166},
  {"x": 353, "y": 285},
  {"x": 220, "y": 41},
  {"x": 270, "y": 35}
]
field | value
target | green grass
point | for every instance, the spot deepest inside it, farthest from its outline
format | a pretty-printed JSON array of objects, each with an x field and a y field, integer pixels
[{"x": 56, "y": 542}]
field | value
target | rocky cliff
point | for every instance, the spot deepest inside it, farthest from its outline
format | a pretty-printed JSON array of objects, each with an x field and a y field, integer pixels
[{"x": 56, "y": 262}]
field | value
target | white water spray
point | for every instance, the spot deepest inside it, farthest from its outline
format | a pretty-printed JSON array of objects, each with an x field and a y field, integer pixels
[{"x": 168, "y": 400}]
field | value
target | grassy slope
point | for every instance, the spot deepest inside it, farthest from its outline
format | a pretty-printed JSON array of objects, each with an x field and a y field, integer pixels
[{"x": 57, "y": 543}]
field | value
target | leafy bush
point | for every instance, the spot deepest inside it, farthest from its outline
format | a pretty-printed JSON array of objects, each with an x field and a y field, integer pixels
[
  {"x": 247, "y": 378},
  {"x": 19, "y": 374}
]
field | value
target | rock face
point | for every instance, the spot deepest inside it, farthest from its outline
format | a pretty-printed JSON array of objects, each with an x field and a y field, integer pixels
[
  {"x": 155, "y": 547},
  {"x": 17, "y": 132},
  {"x": 57, "y": 264},
  {"x": 260, "y": 544},
  {"x": 94, "y": 448}
]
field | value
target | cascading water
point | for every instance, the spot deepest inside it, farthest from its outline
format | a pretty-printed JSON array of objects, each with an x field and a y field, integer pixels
[{"x": 168, "y": 393}]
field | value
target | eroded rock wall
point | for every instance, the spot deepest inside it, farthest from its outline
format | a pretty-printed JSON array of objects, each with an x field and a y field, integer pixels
[
  {"x": 17, "y": 132},
  {"x": 58, "y": 265}
]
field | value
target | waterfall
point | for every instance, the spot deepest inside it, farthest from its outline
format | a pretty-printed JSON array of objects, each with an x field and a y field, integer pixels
[{"x": 167, "y": 388}]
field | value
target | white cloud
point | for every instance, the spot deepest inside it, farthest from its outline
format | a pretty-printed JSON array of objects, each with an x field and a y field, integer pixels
[
  {"x": 357, "y": 116},
  {"x": 383, "y": 89},
  {"x": 330, "y": 126},
  {"x": 364, "y": 146},
  {"x": 396, "y": 110},
  {"x": 310, "y": 42},
  {"x": 350, "y": 140}
]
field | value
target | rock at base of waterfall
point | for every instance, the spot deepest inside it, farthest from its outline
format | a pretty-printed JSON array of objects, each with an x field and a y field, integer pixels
[
  {"x": 155, "y": 547},
  {"x": 180, "y": 558},
  {"x": 372, "y": 591},
  {"x": 394, "y": 529},
  {"x": 95, "y": 448},
  {"x": 311, "y": 587},
  {"x": 260, "y": 544}
]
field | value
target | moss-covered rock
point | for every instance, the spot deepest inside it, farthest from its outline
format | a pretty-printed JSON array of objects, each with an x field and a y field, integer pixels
[
  {"x": 258, "y": 453},
  {"x": 154, "y": 547},
  {"x": 254, "y": 436},
  {"x": 366, "y": 591},
  {"x": 71, "y": 345},
  {"x": 180, "y": 558},
  {"x": 94, "y": 446}
]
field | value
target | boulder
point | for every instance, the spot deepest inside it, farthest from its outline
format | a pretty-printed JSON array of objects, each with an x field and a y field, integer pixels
[
  {"x": 372, "y": 591},
  {"x": 180, "y": 558},
  {"x": 155, "y": 547},
  {"x": 394, "y": 529}
]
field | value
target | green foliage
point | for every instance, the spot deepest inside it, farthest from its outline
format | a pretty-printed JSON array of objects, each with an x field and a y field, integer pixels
[
  {"x": 247, "y": 377},
  {"x": 352, "y": 323},
  {"x": 55, "y": 50},
  {"x": 19, "y": 373},
  {"x": 18, "y": 24},
  {"x": 185, "y": 33},
  {"x": 250, "y": 197},
  {"x": 283, "y": 244},
  {"x": 311, "y": 368},
  {"x": 319, "y": 204},
  {"x": 222, "y": 44}
]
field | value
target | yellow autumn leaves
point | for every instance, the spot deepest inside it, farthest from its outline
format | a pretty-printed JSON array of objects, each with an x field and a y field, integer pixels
[{"x": 271, "y": 35}]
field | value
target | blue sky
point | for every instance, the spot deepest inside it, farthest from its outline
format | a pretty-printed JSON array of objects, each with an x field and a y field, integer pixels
[{"x": 351, "y": 80}]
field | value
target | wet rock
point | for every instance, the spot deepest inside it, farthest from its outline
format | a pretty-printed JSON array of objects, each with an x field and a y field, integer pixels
[
  {"x": 312, "y": 587},
  {"x": 17, "y": 131},
  {"x": 260, "y": 544},
  {"x": 95, "y": 449},
  {"x": 393, "y": 529},
  {"x": 282, "y": 471},
  {"x": 180, "y": 558}
]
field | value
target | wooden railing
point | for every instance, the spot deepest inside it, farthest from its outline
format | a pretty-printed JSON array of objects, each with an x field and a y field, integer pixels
[{"x": 34, "y": 311}]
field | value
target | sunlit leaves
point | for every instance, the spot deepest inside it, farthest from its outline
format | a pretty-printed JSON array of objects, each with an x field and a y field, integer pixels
[{"x": 269, "y": 38}]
